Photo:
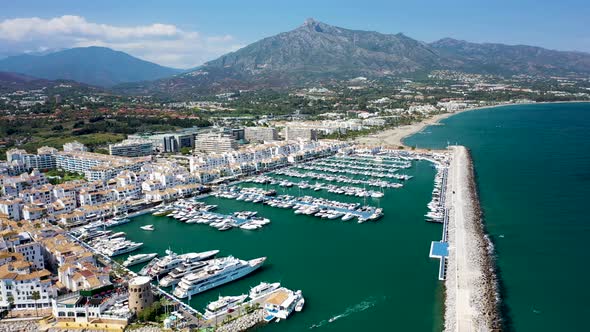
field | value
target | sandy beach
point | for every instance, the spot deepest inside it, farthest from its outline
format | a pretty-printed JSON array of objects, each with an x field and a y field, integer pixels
[
  {"x": 394, "y": 137},
  {"x": 470, "y": 287}
]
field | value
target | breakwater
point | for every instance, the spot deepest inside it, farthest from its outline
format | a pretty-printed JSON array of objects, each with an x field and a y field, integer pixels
[{"x": 471, "y": 301}]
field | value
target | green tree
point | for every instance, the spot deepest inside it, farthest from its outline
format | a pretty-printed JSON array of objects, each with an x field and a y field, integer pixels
[
  {"x": 36, "y": 297},
  {"x": 186, "y": 150},
  {"x": 101, "y": 151},
  {"x": 10, "y": 299}
]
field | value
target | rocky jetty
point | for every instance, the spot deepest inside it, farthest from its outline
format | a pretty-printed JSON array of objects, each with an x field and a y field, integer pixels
[
  {"x": 471, "y": 300},
  {"x": 21, "y": 326},
  {"x": 244, "y": 322}
]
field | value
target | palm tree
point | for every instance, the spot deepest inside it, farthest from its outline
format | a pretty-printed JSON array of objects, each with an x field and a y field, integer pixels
[
  {"x": 10, "y": 303},
  {"x": 166, "y": 302},
  {"x": 36, "y": 296}
]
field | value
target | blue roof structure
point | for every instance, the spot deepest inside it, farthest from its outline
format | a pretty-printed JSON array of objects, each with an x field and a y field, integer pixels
[{"x": 439, "y": 249}]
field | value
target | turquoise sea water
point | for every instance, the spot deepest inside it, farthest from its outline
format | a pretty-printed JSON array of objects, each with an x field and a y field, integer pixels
[
  {"x": 532, "y": 165},
  {"x": 355, "y": 277}
]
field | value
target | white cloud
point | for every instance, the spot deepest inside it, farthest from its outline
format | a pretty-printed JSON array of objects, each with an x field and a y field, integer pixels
[{"x": 164, "y": 44}]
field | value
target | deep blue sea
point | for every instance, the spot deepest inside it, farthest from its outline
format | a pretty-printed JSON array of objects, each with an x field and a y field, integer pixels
[{"x": 532, "y": 166}]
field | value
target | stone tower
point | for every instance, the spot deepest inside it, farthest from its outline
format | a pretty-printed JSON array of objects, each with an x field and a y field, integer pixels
[{"x": 140, "y": 294}]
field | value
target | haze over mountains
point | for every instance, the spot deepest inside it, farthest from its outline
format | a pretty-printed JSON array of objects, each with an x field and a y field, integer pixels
[
  {"x": 91, "y": 65},
  {"x": 311, "y": 52}
]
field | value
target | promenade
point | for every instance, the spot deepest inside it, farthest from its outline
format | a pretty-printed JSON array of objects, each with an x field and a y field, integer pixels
[{"x": 470, "y": 288}]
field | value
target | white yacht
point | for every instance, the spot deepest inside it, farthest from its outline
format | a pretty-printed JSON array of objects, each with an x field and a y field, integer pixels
[
  {"x": 347, "y": 217},
  {"x": 263, "y": 288},
  {"x": 250, "y": 226},
  {"x": 216, "y": 274},
  {"x": 175, "y": 275},
  {"x": 224, "y": 304},
  {"x": 146, "y": 269},
  {"x": 138, "y": 259},
  {"x": 377, "y": 194},
  {"x": 171, "y": 262},
  {"x": 118, "y": 221},
  {"x": 147, "y": 227},
  {"x": 122, "y": 247}
]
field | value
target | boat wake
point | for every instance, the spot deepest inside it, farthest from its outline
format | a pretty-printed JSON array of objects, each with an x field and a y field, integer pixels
[{"x": 359, "y": 307}]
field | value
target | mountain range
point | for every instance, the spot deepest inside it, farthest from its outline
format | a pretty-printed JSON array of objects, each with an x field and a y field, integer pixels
[
  {"x": 99, "y": 66},
  {"x": 316, "y": 47},
  {"x": 318, "y": 51},
  {"x": 313, "y": 51}
]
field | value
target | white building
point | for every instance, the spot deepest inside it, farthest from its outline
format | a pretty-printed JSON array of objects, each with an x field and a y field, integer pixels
[
  {"x": 44, "y": 158},
  {"x": 260, "y": 134},
  {"x": 132, "y": 148},
  {"x": 97, "y": 166},
  {"x": 74, "y": 146},
  {"x": 81, "y": 309},
  {"x": 294, "y": 133},
  {"x": 11, "y": 208},
  {"x": 215, "y": 142},
  {"x": 18, "y": 283}
]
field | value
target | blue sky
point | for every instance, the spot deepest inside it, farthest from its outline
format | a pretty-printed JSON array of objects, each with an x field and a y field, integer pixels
[{"x": 187, "y": 33}]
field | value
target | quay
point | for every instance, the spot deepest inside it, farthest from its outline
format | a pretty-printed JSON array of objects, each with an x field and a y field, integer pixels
[
  {"x": 253, "y": 310},
  {"x": 470, "y": 295},
  {"x": 241, "y": 318},
  {"x": 440, "y": 249},
  {"x": 191, "y": 315}
]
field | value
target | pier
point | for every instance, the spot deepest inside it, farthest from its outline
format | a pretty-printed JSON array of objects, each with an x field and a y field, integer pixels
[{"x": 470, "y": 303}]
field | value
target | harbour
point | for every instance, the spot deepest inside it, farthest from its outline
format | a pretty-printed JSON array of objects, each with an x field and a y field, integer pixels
[
  {"x": 281, "y": 265},
  {"x": 522, "y": 208}
]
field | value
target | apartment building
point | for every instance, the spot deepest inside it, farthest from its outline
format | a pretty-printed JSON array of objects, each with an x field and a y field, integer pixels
[
  {"x": 215, "y": 142},
  {"x": 82, "y": 276},
  {"x": 261, "y": 134},
  {"x": 132, "y": 148},
  {"x": 44, "y": 159},
  {"x": 13, "y": 185},
  {"x": 97, "y": 166},
  {"x": 11, "y": 208},
  {"x": 304, "y": 133},
  {"x": 18, "y": 282},
  {"x": 74, "y": 146},
  {"x": 169, "y": 142}
]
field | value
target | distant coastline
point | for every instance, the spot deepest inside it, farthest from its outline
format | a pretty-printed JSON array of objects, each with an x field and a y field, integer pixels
[{"x": 395, "y": 136}]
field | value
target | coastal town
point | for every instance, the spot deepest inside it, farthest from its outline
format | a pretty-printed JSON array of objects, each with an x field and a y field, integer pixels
[
  {"x": 331, "y": 166},
  {"x": 57, "y": 207},
  {"x": 67, "y": 265}
]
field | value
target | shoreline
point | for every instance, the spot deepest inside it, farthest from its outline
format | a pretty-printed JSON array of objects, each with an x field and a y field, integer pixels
[
  {"x": 471, "y": 288},
  {"x": 395, "y": 136}
]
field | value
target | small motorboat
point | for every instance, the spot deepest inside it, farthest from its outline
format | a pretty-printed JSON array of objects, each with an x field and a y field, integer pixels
[
  {"x": 147, "y": 227},
  {"x": 299, "y": 305}
]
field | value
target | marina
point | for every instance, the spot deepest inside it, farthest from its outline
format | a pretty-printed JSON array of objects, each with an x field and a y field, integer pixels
[
  {"x": 365, "y": 171},
  {"x": 286, "y": 207},
  {"x": 334, "y": 189},
  {"x": 191, "y": 211},
  {"x": 336, "y": 178},
  {"x": 307, "y": 205}
]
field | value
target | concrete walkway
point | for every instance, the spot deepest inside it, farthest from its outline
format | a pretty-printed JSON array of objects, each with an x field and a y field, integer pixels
[{"x": 467, "y": 303}]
